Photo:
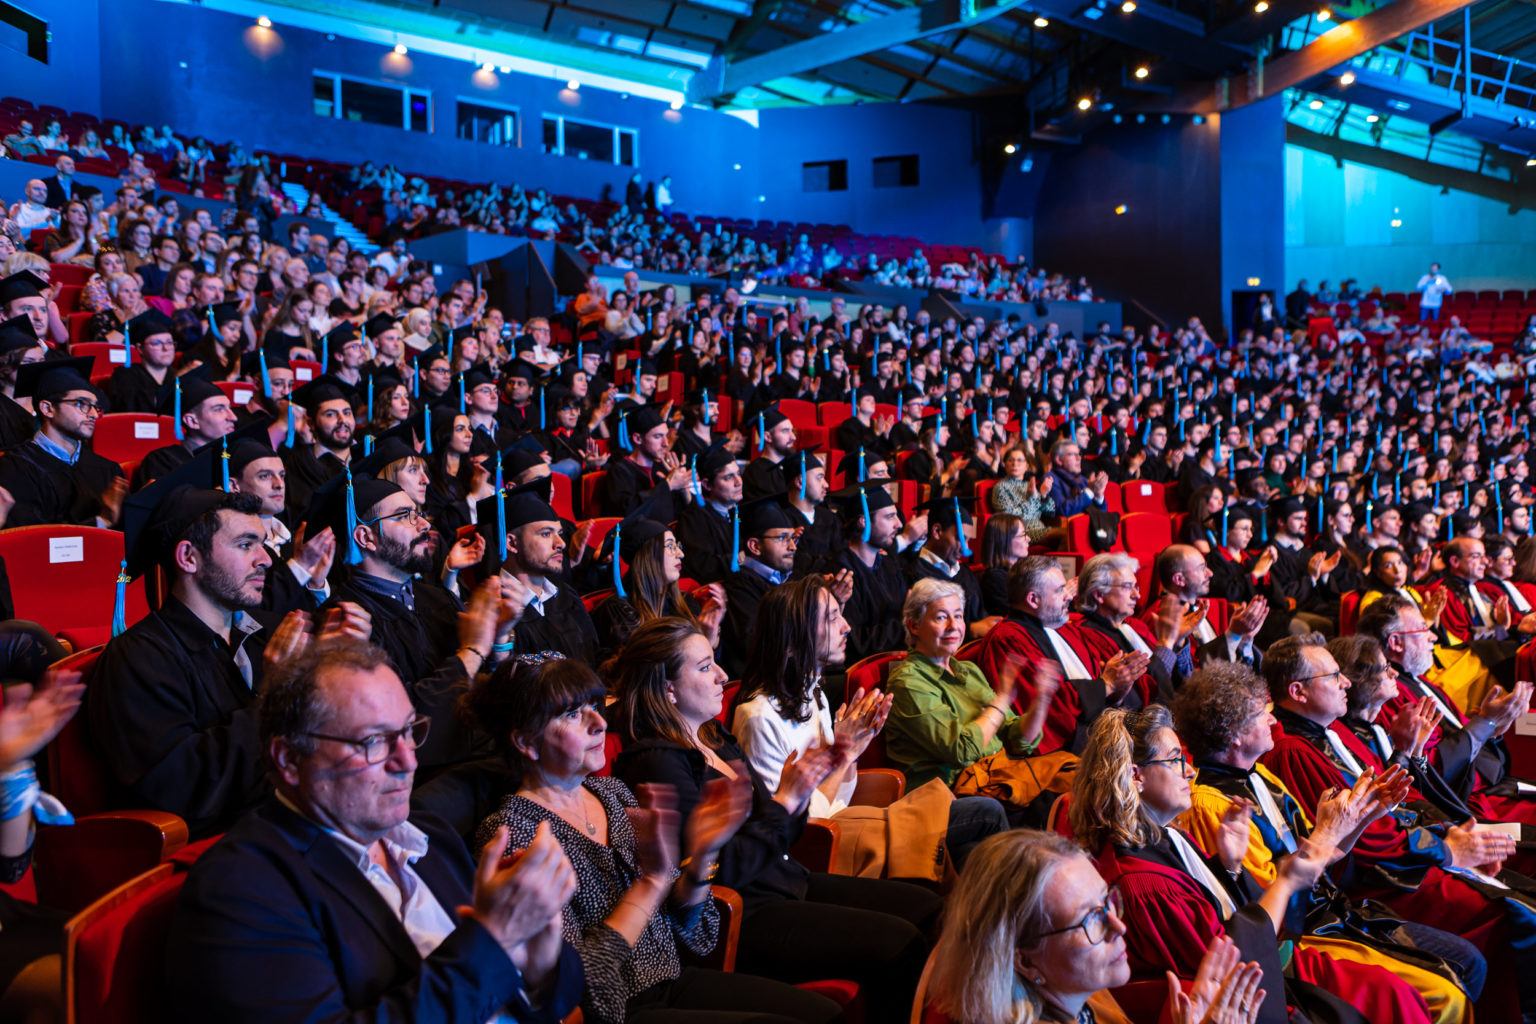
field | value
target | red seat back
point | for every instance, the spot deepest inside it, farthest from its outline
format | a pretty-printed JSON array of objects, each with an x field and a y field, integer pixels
[
  {"x": 560, "y": 496},
  {"x": 125, "y": 436},
  {"x": 800, "y": 412},
  {"x": 1349, "y": 614},
  {"x": 590, "y": 482},
  {"x": 1144, "y": 496},
  {"x": 115, "y": 950},
  {"x": 68, "y": 273},
  {"x": 1145, "y": 534},
  {"x": 1112, "y": 497},
  {"x": 238, "y": 392},
  {"x": 64, "y": 579},
  {"x": 1077, "y": 533},
  {"x": 866, "y": 674},
  {"x": 105, "y": 356},
  {"x": 830, "y": 414},
  {"x": 76, "y": 773},
  {"x": 304, "y": 371}
]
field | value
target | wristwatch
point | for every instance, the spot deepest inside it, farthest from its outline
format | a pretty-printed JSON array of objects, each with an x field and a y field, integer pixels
[{"x": 709, "y": 876}]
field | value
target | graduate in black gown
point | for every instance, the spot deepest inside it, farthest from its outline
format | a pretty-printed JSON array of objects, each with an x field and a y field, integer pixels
[
  {"x": 525, "y": 546},
  {"x": 872, "y": 524},
  {"x": 202, "y": 414},
  {"x": 639, "y": 481},
  {"x": 18, "y": 343},
  {"x": 768, "y": 538},
  {"x": 704, "y": 526},
  {"x": 815, "y": 520},
  {"x": 142, "y": 386},
  {"x": 331, "y": 426},
  {"x": 55, "y": 477},
  {"x": 300, "y": 575},
  {"x": 947, "y": 555},
  {"x": 776, "y": 443}
]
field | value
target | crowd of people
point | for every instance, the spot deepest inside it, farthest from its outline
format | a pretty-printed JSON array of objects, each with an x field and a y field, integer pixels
[{"x": 474, "y": 757}]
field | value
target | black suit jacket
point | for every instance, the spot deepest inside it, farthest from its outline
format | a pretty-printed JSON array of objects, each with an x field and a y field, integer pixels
[
  {"x": 278, "y": 923},
  {"x": 56, "y": 197}
]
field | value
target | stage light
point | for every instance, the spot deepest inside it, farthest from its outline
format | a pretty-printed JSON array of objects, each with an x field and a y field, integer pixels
[
  {"x": 1372, "y": 118},
  {"x": 1253, "y": 282},
  {"x": 1085, "y": 104},
  {"x": 676, "y": 104},
  {"x": 1121, "y": 210},
  {"x": 573, "y": 85},
  {"x": 1315, "y": 105},
  {"x": 400, "y": 49},
  {"x": 264, "y": 21},
  {"x": 1397, "y": 222},
  {"x": 1324, "y": 14},
  {"x": 1347, "y": 78},
  {"x": 1010, "y": 149},
  {"x": 1042, "y": 22},
  {"x": 488, "y": 67},
  {"x": 1261, "y": 7},
  {"x": 1129, "y": 7},
  {"x": 1530, "y": 161},
  {"x": 1143, "y": 71}
]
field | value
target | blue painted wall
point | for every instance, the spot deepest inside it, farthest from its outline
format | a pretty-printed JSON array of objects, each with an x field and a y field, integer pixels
[
  {"x": 1252, "y": 199},
  {"x": 1338, "y": 224},
  {"x": 72, "y": 77}
]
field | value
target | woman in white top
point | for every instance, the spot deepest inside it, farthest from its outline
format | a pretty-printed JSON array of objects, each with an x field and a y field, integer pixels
[{"x": 782, "y": 710}]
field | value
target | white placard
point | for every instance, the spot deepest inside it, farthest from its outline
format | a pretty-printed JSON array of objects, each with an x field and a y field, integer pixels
[
  {"x": 242, "y": 396},
  {"x": 149, "y": 431},
  {"x": 1146, "y": 490},
  {"x": 303, "y": 373},
  {"x": 1525, "y": 725},
  {"x": 66, "y": 549},
  {"x": 117, "y": 355}
]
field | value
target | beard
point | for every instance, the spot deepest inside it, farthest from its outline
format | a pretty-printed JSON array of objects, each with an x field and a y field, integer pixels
[
  {"x": 1417, "y": 664},
  {"x": 1055, "y": 621},
  {"x": 227, "y": 589},
  {"x": 413, "y": 558}
]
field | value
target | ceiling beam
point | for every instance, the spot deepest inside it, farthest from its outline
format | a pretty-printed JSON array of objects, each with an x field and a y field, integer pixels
[
  {"x": 723, "y": 78},
  {"x": 1337, "y": 46}
]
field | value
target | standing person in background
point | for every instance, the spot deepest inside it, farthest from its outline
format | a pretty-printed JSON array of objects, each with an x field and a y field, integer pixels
[{"x": 1433, "y": 287}]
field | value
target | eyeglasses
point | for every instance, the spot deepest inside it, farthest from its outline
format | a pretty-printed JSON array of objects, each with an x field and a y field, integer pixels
[
  {"x": 376, "y": 748},
  {"x": 672, "y": 547},
  {"x": 411, "y": 514},
  {"x": 1095, "y": 923},
  {"x": 1178, "y": 759},
  {"x": 779, "y": 538},
  {"x": 1336, "y": 673},
  {"x": 85, "y": 405}
]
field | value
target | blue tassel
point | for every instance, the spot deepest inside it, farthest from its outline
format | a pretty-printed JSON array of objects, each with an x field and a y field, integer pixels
[
  {"x": 826, "y": 360},
  {"x": 965, "y": 548},
  {"x": 1264, "y": 525},
  {"x": 426, "y": 428},
  {"x": 224, "y": 462},
  {"x": 864, "y": 500},
  {"x": 288, "y": 440},
  {"x": 367, "y": 445},
  {"x": 127, "y": 347},
  {"x": 989, "y": 407},
  {"x": 370, "y": 394},
  {"x": 861, "y": 464},
  {"x": 541, "y": 406},
  {"x": 1466, "y": 494},
  {"x": 618, "y": 569},
  {"x": 944, "y": 408},
  {"x": 693, "y": 472},
  {"x": 580, "y": 352},
  {"x": 762, "y": 432},
  {"x": 1450, "y": 527},
  {"x": 1397, "y": 488},
  {"x": 325, "y": 353},
  {"x": 778, "y": 353},
  {"x": 449, "y": 347},
  {"x": 1224, "y": 527},
  {"x": 1437, "y": 492},
  {"x": 802, "y": 474},
  {"x": 1320, "y": 514},
  {"x": 1114, "y": 442},
  {"x": 624, "y": 430},
  {"x": 266, "y": 380},
  {"x": 501, "y": 513},
  {"x": 354, "y": 555},
  {"x": 120, "y": 600},
  {"x": 735, "y": 539},
  {"x": 1146, "y": 431},
  {"x": 415, "y": 377},
  {"x": 462, "y": 403},
  {"x": 975, "y": 427},
  {"x": 213, "y": 325},
  {"x": 1335, "y": 467},
  {"x": 181, "y": 435},
  {"x": 853, "y": 402},
  {"x": 907, "y": 364},
  {"x": 1369, "y": 504},
  {"x": 708, "y": 419}
]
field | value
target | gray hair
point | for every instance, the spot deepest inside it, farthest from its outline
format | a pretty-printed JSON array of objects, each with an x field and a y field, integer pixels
[
  {"x": 1028, "y": 576},
  {"x": 923, "y": 594},
  {"x": 1060, "y": 447},
  {"x": 1098, "y": 576},
  {"x": 291, "y": 707}
]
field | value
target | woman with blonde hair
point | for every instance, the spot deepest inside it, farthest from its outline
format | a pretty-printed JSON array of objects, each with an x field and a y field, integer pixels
[
  {"x": 1132, "y": 782},
  {"x": 1032, "y": 933}
]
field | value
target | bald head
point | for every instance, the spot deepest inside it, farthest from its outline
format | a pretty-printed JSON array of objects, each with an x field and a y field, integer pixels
[{"x": 1181, "y": 570}]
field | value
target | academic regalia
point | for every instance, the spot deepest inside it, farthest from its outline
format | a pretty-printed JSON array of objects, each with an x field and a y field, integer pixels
[
  {"x": 161, "y": 463},
  {"x": 994, "y": 591},
  {"x": 133, "y": 389},
  {"x": 874, "y": 610},
  {"x": 819, "y": 541},
  {"x": 1017, "y": 644},
  {"x": 852, "y": 434},
  {"x": 763, "y": 478},
  {"x": 17, "y": 425},
  {"x": 1166, "y": 671},
  {"x": 689, "y": 446},
  {"x": 744, "y": 592},
  {"x": 705, "y": 535},
  {"x": 307, "y": 473},
  {"x": 1290, "y": 584},
  {"x": 49, "y": 490},
  {"x": 627, "y": 488},
  {"x": 563, "y": 625}
]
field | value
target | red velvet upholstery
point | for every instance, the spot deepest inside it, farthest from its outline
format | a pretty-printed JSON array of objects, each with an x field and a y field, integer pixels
[
  {"x": 64, "y": 578},
  {"x": 131, "y": 435}
]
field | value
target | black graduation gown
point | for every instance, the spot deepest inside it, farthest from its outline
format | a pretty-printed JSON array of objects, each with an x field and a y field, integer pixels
[
  {"x": 284, "y": 593},
  {"x": 49, "y": 490},
  {"x": 421, "y": 646},
  {"x": 162, "y": 462},
  {"x": 744, "y": 590},
  {"x": 915, "y": 567},
  {"x": 1229, "y": 579},
  {"x": 627, "y": 487},
  {"x": 132, "y": 389},
  {"x": 690, "y": 446},
  {"x": 819, "y": 541},
  {"x": 173, "y": 719},
  {"x": 566, "y": 444},
  {"x": 519, "y": 419},
  {"x": 763, "y": 479},
  {"x": 1289, "y": 583},
  {"x": 564, "y": 626},
  {"x": 306, "y": 473},
  {"x": 874, "y": 610},
  {"x": 706, "y": 539},
  {"x": 16, "y": 424},
  {"x": 994, "y": 591},
  {"x": 851, "y": 435}
]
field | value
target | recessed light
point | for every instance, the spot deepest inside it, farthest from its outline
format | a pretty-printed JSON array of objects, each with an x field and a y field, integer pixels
[
  {"x": 1129, "y": 7},
  {"x": 400, "y": 49},
  {"x": 1530, "y": 161},
  {"x": 1261, "y": 7},
  {"x": 1324, "y": 14},
  {"x": 1399, "y": 104},
  {"x": 1143, "y": 71},
  {"x": 264, "y": 21},
  {"x": 1010, "y": 149},
  {"x": 1316, "y": 105},
  {"x": 676, "y": 104},
  {"x": 1372, "y": 118},
  {"x": 1397, "y": 222},
  {"x": 1085, "y": 103},
  {"x": 573, "y": 85},
  {"x": 1042, "y": 22},
  {"x": 506, "y": 69},
  {"x": 1121, "y": 210},
  {"x": 487, "y": 66},
  {"x": 1347, "y": 78}
]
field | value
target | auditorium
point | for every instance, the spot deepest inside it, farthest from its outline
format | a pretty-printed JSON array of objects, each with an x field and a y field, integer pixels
[{"x": 768, "y": 511}]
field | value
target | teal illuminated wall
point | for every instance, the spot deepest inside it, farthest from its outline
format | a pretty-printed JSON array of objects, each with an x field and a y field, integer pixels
[{"x": 1338, "y": 224}]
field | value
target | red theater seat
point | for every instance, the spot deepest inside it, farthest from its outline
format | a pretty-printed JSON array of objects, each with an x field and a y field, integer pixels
[
  {"x": 64, "y": 578},
  {"x": 115, "y": 951},
  {"x": 121, "y": 436}
]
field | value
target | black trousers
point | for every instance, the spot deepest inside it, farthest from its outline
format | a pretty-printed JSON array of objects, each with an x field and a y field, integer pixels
[
  {"x": 700, "y": 996},
  {"x": 868, "y": 930}
]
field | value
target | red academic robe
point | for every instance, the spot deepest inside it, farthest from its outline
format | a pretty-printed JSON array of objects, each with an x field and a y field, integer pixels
[
  {"x": 1103, "y": 647},
  {"x": 1218, "y": 612},
  {"x": 1170, "y": 923},
  {"x": 1013, "y": 642},
  {"x": 1457, "y": 619}
]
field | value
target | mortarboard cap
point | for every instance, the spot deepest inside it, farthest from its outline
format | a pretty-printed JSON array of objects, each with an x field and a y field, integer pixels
[
  {"x": 147, "y": 324},
  {"x": 21, "y": 285},
  {"x": 51, "y": 378},
  {"x": 764, "y": 514}
]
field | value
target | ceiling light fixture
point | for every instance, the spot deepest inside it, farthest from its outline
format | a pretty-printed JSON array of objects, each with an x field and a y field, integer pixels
[
  {"x": 1347, "y": 78},
  {"x": 1315, "y": 105},
  {"x": 1085, "y": 104},
  {"x": 1010, "y": 149},
  {"x": 573, "y": 85},
  {"x": 676, "y": 105},
  {"x": 400, "y": 50},
  {"x": 264, "y": 21},
  {"x": 1129, "y": 7},
  {"x": 1372, "y": 118},
  {"x": 1261, "y": 7},
  {"x": 1042, "y": 22},
  {"x": 1143, "y": 71},
  {"x": 1121, "y": 209},
  {"x": 1324, "y": 14},
  {"x": 487, "y": 67}
]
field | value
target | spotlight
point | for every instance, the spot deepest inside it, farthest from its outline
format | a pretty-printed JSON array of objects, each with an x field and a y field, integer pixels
[
  {"x": 1253, "y": 282},
  {"x": 1143, "y": 71},
  {"x": 735, "y": 167},
  {"x": 1129, "y": 7},
  {"x": 1530, "y": 161},
  {"x": 1372, "y": 118},
  {"x": 1261, "y": 7},
  {"x": 1010, "y": 149},
  {"x": 1121, "y": 210},
  {"x": 1315, "y": 105},
  {"x": 1347, "y": 78},
  {"x": 506, "y": 69},
  {"x": 264, "y": 21},
  {"x": 1042, "y": 22},
  {"x": 1324, "y": 14},
  {"x": 400, "y": 49},
  {"x": 676, "y": 105},
  {"x": 573, "y": 85},
  {"x": 1397, "y": 222},
  {"x": 488, "y": 67},
  {"x": 1085, "y": 104}
]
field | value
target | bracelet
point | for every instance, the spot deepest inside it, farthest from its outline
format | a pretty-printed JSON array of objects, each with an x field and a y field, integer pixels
[
  {"x": 709, "y": 876},
  {"x": 505, "y": 648},
  {"x": 477, "y": 651}
]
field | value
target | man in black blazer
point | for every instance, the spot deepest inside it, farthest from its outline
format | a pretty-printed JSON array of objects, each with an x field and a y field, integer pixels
[
  {"x": 330, "y": 900},
  {"x": 61, "y": 185}
]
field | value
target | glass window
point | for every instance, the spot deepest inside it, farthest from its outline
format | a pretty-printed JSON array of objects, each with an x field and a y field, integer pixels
[
  {"x": 496, "y": 126},
  {"x": 552, "y": 135},
  {"x": 588, "y": 141},
  {"x": 371, "y": 102},
  {"x": 824, "y": 176},
  {"x": 627, "y": 148},
  {"x": 895, "y": 171},
  {"x": 325, "y": 96}
]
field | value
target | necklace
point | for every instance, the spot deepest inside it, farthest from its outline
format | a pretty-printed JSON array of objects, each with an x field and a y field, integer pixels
[{"x": 581, "y": 804}]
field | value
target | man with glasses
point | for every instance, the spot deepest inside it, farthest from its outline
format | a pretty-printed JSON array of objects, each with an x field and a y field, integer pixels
[
  {"x": 1107, "y": 595},
  {"x": 1424, "y": 871},
  {"x": 1467, "y": 750},
  {"x": 768, "y": 538},
  {"x": 55, "y": 477},
  {"x": 333, "y": 897},
  {"x": 1484, "y": 622},
  {"x": 1223, "y": 720},
  {"x": 434, "y": 644}
]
